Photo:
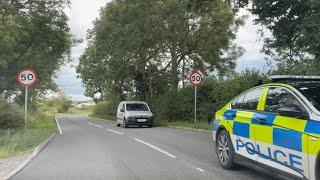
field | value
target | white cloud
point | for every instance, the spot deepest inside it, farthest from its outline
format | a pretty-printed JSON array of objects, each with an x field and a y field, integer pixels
[
  {"x": 249, "y": 38},
  {"x": 81, "y": 15}
]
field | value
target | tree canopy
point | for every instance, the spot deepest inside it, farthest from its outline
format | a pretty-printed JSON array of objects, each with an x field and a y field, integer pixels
[
  {"x": 33, "y": 33},
  {"x": 145, "y": 47},
  {"x": 295, "y": 41}
]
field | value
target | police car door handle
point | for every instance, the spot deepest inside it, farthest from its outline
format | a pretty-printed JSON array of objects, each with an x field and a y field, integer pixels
[{"x": 262, "y": 121}]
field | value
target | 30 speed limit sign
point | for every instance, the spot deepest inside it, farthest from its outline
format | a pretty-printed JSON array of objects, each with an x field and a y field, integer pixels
[
  {"x": 27, "y": 77},
  {"x": 196, "y": 78}
]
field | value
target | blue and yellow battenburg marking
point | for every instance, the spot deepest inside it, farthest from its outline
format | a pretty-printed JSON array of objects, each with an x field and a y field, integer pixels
[{"x": 289, "y": 133}]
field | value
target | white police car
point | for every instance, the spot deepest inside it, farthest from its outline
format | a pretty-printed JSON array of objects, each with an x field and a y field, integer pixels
[{"x": 273, "y": 128}]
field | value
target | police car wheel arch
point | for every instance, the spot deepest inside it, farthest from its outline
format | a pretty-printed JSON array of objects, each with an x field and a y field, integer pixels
[{"x": 224, "y": 150}]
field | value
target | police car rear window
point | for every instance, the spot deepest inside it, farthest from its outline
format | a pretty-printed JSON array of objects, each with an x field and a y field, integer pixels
[{"x": 311, "y": 91}]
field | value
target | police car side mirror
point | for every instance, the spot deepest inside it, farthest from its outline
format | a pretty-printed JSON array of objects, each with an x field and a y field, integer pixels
[
  {"x": 294, "y": 112},
  {"x": 121, "y": 110}
]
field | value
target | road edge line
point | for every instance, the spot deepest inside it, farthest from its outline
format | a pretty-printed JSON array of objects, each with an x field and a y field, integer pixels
[
  {"x": 100, "y": 119},
  {"x": 187, "y": 128},
  {"x": 172, "y": 127},
  {"x": 57, "y": 122},
  {"x": 36, "y": 151}
]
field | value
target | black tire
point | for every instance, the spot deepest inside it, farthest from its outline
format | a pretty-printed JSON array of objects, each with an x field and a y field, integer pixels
[
  {"x": 225, "y": 150},
  {"x": 125, "y": 125},
  {"x": 118, "y": 125},
  {"x": 150, "y": 126}
]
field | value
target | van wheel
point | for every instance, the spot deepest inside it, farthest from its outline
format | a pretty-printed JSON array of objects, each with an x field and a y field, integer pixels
[
  {"x": 118, "y": 125},
  {"x": 125, "y": 125},
  {"x": 225, "y": 150}
]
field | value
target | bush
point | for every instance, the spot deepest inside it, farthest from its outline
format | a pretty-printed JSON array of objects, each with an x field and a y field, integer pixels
[
  {"x": 11, "y": 116},
  {"x": 64, "y": 106},
  {"x": 211, "y": 96},
  {"x": 106, "y": 108}
]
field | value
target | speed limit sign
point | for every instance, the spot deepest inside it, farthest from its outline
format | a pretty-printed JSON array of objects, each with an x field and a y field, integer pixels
[
  {"x": 27, "y": 77},
  {"x": 196, "y": 78}
]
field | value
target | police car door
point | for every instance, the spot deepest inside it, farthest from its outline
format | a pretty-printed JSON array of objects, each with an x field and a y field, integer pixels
[
  {"x": 242, "y": 136},
  {"x": 279, "y": 132}
]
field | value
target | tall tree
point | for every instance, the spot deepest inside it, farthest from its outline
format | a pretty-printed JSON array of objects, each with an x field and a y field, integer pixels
[
  {"x": 33, "y": 33},
  {"x": 295, "y": 33},
  {"x": 140, "y": 41}
]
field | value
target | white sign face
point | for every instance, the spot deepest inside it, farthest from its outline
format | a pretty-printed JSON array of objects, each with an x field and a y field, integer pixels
[
  {"x": 196, "y": 78},
  {"x": 27, "y": 77}
]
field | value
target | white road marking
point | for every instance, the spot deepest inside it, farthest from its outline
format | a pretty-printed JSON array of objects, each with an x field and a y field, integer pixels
[
  {"x": 199, "y": 169},
  {"x": 156, "y": 148},
  {"x": 115, "y": 132},
  {"x": 95, "y": 125},
  {"x": 56, "y": 119}
]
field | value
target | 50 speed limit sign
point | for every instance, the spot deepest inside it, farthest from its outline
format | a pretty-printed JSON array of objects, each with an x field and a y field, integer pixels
[
  {"x": 196, "y": 78},
  {"x": 27, "y": 77}
]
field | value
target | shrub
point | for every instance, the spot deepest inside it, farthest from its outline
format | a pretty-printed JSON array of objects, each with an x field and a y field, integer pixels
[
  {"x": 211, "y": 96},
  {"x": 64, "y": 106},
  {"x": 11, "y": 116},
  {"x": 106, "y": 108}
]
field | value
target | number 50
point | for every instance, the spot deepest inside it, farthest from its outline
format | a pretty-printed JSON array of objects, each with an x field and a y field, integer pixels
[{"x": 25, "y": 77}]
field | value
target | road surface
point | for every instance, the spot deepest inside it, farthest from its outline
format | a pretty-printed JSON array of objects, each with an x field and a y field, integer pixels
[{"x": 94, "y": 149}]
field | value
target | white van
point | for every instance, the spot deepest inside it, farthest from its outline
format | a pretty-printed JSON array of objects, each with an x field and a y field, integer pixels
[{"x": 134, "y": 113}]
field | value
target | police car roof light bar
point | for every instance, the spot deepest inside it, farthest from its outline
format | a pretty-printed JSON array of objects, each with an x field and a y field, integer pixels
[{"x": 289, "y": 78}]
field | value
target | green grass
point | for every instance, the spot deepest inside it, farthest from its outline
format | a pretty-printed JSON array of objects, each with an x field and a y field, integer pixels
[{"x": 17, "y": 142}]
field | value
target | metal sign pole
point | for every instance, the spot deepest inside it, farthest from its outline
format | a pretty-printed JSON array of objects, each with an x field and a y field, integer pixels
[
  {"x": 195, "y": 104},
  {"x": 26, "y": 109}
]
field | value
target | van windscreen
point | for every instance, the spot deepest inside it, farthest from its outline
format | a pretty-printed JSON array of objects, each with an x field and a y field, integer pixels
[{"x": 137, "y": 107}]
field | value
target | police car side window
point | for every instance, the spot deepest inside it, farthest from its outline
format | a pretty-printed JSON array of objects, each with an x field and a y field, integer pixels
[
  {"x": 251, "y": 99},
  {"x": 237, "y": 103},
  {"x": 280, "y": 98}
]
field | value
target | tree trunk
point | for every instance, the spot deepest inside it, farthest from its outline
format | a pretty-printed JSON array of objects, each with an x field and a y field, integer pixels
[
  {"x": 174, "y": 67},
  {"x": 141, "y": 80}
]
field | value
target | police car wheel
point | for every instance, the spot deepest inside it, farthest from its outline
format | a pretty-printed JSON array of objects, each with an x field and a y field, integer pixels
[{"x": 225, "y": 150}]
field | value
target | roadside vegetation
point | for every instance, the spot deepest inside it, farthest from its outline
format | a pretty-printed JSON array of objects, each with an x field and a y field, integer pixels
[
  {"x": 33, "y": 34},
  {"x": 150, "y": 58},
  {"x": 176, "y": 109},
  {"x": 16, "y": 141}
]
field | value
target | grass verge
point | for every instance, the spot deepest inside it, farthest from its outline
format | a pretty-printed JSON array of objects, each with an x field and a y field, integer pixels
[
  {"x": 201, "y": 125},
  {"x": 17, "y": 142}
]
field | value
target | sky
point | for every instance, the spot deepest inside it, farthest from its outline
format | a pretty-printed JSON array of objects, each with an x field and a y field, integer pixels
[{"x": 83, "y": 13}]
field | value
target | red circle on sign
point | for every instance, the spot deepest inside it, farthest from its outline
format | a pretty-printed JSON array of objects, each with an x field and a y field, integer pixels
[
  {"x": 196, "y": 78},
  {"x": 27, "y": 77}
]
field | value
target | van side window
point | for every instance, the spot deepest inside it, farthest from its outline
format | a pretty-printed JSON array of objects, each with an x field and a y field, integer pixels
[{"x": 251, "y": 99}]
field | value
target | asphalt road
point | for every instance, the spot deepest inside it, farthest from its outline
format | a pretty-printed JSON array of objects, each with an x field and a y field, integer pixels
[{"x": 94, "y": 149}]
